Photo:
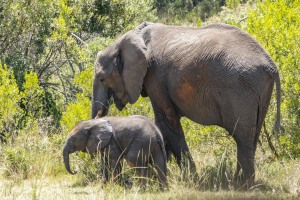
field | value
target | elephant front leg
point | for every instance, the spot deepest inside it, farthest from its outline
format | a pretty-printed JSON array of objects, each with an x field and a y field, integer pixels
[
  {"x": 175, "y": 142},
  {"x": 168, "y": 121},
  {"x": 116, "y": 172},
  {"x": 116, "y": 168},
  {"x": 111, "y": 165}
]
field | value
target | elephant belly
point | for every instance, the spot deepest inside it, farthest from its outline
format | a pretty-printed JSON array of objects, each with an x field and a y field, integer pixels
[
  {"x": 198, "y": 106},
  {"x": 220, "y": 103}
]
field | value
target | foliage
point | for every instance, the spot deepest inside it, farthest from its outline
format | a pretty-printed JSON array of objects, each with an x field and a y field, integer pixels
[
  {"x": 20, "y": 107},
  {"x": 35, "y": 152},
  {"x": 232, "y": 3},
  {"x": 33, "y": 93},
  {"x": 10, "y": 98},
  {"x": 23, "y": 27},
  {"x": 76, "y": 112},
  {"x": 17, "y": 162},
  {"x": 276, "y": 25},
  {"x": 25, "y": 47},
  {"x": 50, "y": 39},
  {"x": 193, "y": 11},
  {"x": 80, "y": 108}
]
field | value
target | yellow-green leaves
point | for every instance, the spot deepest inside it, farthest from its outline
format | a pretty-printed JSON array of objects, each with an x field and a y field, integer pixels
[
  {"x": 276, "y": 25},
  {"x": 33, "y": 96},
  {"x": 10, "y": 98},
  {"x": 80, "y": 109}
]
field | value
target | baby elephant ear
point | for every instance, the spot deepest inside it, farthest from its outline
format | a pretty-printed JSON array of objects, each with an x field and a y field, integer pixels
[{"x": 100, "y": 136}]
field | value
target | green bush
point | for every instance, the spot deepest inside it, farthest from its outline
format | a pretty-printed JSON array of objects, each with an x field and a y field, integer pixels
[
  {"x": 10, "y": 98},
  {"x": 50, "y": 38},
  {"x": 191, "y": 11},
  {"x": 35, "y": 153},
  {"x": 16, "y": 162},
  {"x": 276, "y": 25}
]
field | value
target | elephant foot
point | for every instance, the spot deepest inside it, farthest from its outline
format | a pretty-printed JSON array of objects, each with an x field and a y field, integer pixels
[{"x": 242, "y": 183}]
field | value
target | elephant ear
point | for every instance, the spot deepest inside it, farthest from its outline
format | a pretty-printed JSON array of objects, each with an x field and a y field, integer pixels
[
  {"x": 133, "y": 55},
  {"x": 100, "y": 136}
]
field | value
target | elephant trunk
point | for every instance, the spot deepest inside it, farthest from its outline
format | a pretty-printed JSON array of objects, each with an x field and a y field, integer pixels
[
  {"x": 101, "y": 95},
  {"x": 66, "y": 154}
]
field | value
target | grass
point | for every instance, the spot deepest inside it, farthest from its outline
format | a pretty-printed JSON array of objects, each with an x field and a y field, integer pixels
[
  {"x": 31, "y": 167},
  {"x": 34, "y": 170},
  {"x": 64, "y": 187}
]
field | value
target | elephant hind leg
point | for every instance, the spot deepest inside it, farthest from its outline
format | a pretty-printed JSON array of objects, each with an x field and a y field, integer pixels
[
  {"x": 247, "y": 137},
  {"x": 245, "y": 140},
  {"x": 144, "y": 175},
  {"x": 245, "y": 161}
]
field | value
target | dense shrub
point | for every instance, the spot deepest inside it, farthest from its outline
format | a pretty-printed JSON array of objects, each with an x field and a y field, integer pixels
[
  {"x": 276, "y": 25},
  {"x": 10, "y": 98},
  {"x": 176, "y": 11}
]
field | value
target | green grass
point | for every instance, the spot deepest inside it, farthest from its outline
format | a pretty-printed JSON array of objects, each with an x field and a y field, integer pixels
[
  {"x": 63, "y": 189},
  {"x": 284, "y": 185},
  {"x": 31, "y": 167}
]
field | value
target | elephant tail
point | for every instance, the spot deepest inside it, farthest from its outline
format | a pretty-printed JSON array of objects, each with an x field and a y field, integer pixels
[{"x": 278, "y": 99}]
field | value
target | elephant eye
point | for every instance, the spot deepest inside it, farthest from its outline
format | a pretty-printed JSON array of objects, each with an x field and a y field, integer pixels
[{"x": 101, "y": 80}]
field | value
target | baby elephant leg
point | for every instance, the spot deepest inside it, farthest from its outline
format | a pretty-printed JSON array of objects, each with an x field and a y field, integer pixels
[
  {"x": 160, "y": 166},
  {"x": 116, "y": 171},
  {"x": 113, "y": 162},
  {"x": 144, "y": 174},
  {"x": 104, "y": 167},
  {"x": 140, "y": 163}
]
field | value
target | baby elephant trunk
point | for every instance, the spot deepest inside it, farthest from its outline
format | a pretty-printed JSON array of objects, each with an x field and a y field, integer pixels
[{"x": 66, "y": 154}]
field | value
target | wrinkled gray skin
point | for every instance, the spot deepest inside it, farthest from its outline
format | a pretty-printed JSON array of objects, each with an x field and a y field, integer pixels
[
  {"x": 134, "y": 138},
  {"x": 214, "y": 75}
]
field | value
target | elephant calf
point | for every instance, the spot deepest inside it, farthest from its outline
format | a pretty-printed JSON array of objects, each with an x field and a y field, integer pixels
[{"x": 134, "y": 138}]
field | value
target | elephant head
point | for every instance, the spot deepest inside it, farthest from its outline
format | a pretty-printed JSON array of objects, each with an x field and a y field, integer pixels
[
  {"x": 87, "y": 136},
  {"x": 119, "y": 73}
]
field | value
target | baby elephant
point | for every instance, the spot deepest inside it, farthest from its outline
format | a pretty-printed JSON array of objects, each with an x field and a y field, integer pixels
[{"x": 134, "y": 138}]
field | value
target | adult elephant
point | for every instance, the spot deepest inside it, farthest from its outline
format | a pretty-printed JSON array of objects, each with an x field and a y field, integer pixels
[{"x": 214, "y": 75}]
